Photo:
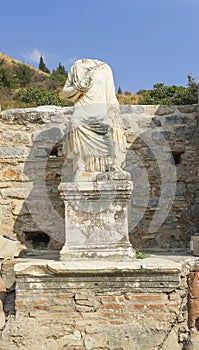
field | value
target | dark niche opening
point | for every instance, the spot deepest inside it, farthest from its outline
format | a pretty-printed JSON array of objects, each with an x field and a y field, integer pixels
[
  {"x": 177, "y": 157},
  {"x": 197, "y": 324},
  {"x": 36, "y": 240},
  {"x": 177, "y": 151},
  {"x": 54, "y": 152}
]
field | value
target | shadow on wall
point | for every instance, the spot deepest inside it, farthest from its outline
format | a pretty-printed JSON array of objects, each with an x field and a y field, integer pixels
[
  {"x": 40, "y": 224},
  {"x": 163, "y": 207}
]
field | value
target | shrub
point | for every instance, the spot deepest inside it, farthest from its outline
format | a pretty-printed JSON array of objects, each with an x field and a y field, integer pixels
[
  {"x": 172, "y": 95},
  {"x": 38, "y": 96}
]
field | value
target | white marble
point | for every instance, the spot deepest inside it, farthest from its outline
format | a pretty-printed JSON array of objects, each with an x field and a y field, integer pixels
[
  {"x": 95, "y": 140},
  {"x": 96, "y": 220}
]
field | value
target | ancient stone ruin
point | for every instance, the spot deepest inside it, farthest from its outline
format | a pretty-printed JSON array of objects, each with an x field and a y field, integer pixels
[
  {"x": 66, "y": 305},
  {"x": 162, "y": 158}
]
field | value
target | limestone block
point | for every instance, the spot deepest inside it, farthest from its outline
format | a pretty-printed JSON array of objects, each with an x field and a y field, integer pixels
[
  {"x": 160, "y": 275},
  {"x": 11, "y": 151},
  {"x": 161, "y": 136},
  {"x": 188, "y": 109},
  {"x": 31, "y": 116},
  {"x": 19, "y": 208},
  {"x": 58, "y": 118},
  {"x": 132, "y": 123},
  {"x": 165, "y": 110},
  {"x": 11, "y": 172},
  {"x": 152, "y": 110},
  {"x": 46, "y": 136},
  {"x": 86, "y": 301},
  {"x": 171, "y": 342},
  {"x": 139, "y": 109},
  {"x": 2, "y": 316},
  {"x": 8, "y": 276},
  {"x": 9, "y": 248},
  {"x": 72, "y": 341},
  {"x": 15, "y": 137},
  {"x": 13, "y": 193},
  {"x": 2, "y": 290},
  {"x": 126, "y": 109},
  {"x": 176, "y": 119},
  {"x": 121, "y": 337}
]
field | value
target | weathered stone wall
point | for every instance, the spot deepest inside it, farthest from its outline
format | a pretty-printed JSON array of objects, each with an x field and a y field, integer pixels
[
  {"x": 166, "y": 153},
  {"x": 164, "y": 206},
  {"x": 60, "y": 306}
]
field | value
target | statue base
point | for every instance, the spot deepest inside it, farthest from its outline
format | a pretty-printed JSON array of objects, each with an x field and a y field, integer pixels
[{"x": 96, "y": 220}]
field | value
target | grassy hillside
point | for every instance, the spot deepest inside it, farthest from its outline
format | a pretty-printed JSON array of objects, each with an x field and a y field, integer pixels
[
  {"x": 10, "y": 62},
  {"x": 17, "y": 78}
]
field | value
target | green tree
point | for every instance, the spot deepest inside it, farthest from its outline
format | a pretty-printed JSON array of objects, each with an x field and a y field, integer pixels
[
  {"x": 59, "y": 75},
  {"x": 24, "y": 74},
  {"x": 6, "y": 79},
  {"x": 191, "y": 91},
  {"x": 42, "y": 65},
  {"x": 119, "y": 91}
]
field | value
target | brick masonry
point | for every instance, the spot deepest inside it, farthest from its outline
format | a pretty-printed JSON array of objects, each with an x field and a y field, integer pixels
[{"x": 138, "y": 305}]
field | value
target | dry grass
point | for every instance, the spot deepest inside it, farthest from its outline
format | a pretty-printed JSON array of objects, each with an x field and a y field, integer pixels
[
  {"x": 131, "y": 99},
  {"x": 13, "y": 104}
]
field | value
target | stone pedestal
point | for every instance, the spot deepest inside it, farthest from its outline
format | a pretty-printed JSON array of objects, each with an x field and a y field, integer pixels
[{"x": 96, "y": 220}]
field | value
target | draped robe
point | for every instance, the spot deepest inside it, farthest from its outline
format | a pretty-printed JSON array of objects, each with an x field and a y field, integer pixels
[{"x": 96, "y": 140}]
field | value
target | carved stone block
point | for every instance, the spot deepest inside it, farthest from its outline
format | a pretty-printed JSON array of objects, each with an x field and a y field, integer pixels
[{"x": 96, "y": 220}]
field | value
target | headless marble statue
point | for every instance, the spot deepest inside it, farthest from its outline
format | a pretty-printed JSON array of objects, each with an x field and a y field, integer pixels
[
  {"x": 97, "y": 197},
  {"x": 96, "y": 139}
]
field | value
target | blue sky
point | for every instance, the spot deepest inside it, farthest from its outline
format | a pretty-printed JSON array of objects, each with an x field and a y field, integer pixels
[{"x": 144, "y": 41}]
